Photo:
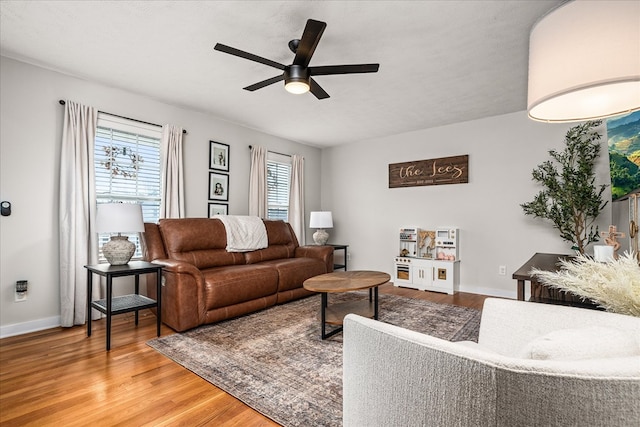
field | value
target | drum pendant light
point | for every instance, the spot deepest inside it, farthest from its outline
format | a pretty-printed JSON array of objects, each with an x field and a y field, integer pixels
[{"x": 584, "y": 61}]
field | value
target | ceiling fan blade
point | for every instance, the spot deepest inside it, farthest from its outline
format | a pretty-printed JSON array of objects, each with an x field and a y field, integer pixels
[
  {"x": 309, "y": 41},
  {"x": 246, "y": 55},
  {"x": 343, "y": 69},
  {"x": 315, "y": 89},
  {"x": 264, "y": 83}
]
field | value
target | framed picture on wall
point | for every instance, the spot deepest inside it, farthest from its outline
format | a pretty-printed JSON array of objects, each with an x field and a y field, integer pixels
[
  {"x": 218, "y": 186},
  {"x": 218, "y": 209},
  {"x": 218, "y": 156}
]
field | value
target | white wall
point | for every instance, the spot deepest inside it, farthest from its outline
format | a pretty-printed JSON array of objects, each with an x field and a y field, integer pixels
[
  {"x": 350, "y": 180},
  {"x": 30, "y": 133},
  {"x": 620, "y": 217},
  {"x": 502, "y": 151}
]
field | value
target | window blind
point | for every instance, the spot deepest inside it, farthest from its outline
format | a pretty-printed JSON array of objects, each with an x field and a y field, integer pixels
[
  {"x": 278, "y": 184},
  {"x": 127, "y": 168}
]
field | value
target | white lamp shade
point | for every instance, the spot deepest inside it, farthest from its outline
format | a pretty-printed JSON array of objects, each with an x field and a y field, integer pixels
[
  {"x": 119, "y": 218},
  {"x": 584, "y": 61},
  {"x": 321, "y": 220}
]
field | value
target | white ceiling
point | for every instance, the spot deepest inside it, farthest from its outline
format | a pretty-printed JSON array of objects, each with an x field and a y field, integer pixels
[{"x": 440, "y": 61}]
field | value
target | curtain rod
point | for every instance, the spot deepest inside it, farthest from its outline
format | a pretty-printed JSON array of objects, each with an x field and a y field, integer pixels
[
  {"x": 62, "y": 102},
  {"x": 274, "y": 152}
]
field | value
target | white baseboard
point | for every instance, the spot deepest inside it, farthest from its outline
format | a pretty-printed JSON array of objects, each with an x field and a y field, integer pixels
[
  {"x": 492, "y": 292},
  {"x": 54, "y": 322},
  {"x": 31, "y": 326}
]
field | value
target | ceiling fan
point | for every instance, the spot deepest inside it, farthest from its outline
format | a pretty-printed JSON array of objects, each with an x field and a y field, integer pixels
[{"x": 298, "y": 76}]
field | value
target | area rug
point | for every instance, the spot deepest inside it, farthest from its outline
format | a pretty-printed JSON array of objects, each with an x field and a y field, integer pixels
[{"x": 275, "y": 362}]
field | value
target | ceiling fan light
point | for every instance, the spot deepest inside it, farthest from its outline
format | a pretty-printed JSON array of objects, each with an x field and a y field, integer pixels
[
  {"x": 297, "y": 87},
  {"x": 296, "y": 79}
]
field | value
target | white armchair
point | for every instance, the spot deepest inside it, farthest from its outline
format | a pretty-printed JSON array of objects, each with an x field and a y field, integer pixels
[{"x": 534, "y": 365}]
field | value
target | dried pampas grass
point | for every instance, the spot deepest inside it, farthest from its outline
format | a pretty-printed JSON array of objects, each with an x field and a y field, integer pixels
[{"x": 614, "y": 286}]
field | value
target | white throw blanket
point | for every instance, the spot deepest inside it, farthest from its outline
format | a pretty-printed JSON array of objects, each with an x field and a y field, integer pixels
[{"x": 244, "y": 233}]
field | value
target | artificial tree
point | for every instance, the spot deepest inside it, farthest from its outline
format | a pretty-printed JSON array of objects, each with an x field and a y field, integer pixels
[{"x": 570, "y": 199}]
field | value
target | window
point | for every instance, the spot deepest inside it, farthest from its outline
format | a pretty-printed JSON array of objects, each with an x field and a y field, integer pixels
[
  {"x": 127, "y": 167},
  {"x": 278, "y": 184}
]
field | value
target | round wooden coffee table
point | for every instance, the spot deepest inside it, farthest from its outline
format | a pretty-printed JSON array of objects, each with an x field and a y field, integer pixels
[{"x": 346, "y": 281}]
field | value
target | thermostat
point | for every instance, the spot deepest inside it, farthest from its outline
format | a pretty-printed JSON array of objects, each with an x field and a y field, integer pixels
[{"x": 5, "y": 208}]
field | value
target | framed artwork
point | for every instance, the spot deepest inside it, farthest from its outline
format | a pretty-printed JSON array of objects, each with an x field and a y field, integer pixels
[
  {"x": 218, "y": 156},
  {"x": 622, "y": 136},
  {"x": 218, "y": 186},
  {"x": 218, "y": 209}
]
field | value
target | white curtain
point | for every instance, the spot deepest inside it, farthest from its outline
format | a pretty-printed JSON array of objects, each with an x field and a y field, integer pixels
[
  {"x": 78, "y": 241},
  {"x": 296, "y": 198},
  {"x": 258, "y": 182},
  {"x": 172, "y": 202}
]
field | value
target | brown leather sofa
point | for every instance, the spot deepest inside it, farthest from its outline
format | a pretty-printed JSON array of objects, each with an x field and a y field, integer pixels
[{"x": 203, "y": 283}]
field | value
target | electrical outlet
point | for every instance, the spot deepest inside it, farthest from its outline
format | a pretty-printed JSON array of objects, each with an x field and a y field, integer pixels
[
  {"x": 21, "y": 290},
  {"x": 502, "y": 270},
  {"x": 349, "y": 256}
]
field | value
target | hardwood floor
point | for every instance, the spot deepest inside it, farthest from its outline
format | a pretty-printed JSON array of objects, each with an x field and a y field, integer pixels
[{"x": 61, "y": 377}]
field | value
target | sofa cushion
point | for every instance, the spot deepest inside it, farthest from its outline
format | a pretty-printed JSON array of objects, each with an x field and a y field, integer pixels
[
  {"x": 292, "y": 272},
  {"x": 280, "y": 233},
  {"x": 595, "y": 342},
  {"x": 225, "y": 286},
  {"x": 282, "y": 243},
  {"x": 198, "y": 241}
]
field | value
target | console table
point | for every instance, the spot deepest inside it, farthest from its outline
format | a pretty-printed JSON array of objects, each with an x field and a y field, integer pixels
[
  {"x": 540, "y": 292},
  {"x": 126, "y": 303}
]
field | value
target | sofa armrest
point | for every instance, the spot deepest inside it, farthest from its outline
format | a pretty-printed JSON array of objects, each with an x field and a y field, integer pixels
[
  {"x": 176, "y": 266},
  {"x": 183, "y": 305},
  {"x": 323, "y": 253},
  {"x": 508, "y": 325},
  {"x": 396, "y": 377}
]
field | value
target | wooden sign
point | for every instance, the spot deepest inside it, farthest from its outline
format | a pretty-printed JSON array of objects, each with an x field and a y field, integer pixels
[{"x": 446, "y": 170}]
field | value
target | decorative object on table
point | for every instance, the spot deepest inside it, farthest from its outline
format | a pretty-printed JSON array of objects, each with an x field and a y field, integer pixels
[
  {"x": 218, "y": 186},
  {"x": 444, "y": 170},
  {"x": 218, "y": 156},
  {"x": 565, "y": 84},
  {"x": 218, "y": 209},
  {"x": 613, "y": 285},
  {"x": 603, "y": 253},
  {"x": 611, "y": 238},
  {"x": 321, "y": 220},
  {"x": 119, "y": 218},
  {"x": 570, "y": 199}
]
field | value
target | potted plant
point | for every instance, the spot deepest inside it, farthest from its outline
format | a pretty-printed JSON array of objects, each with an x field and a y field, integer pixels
[{"x": 570, "y": 199}]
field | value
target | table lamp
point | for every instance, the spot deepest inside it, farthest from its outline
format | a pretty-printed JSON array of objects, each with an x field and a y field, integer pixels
[
  {"x": 321, "y": 220},
  {"x": 119, "y": 218}
]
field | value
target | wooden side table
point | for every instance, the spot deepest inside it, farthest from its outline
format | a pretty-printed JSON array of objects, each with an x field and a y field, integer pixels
[
  {"x": 125, "y": 303},
  {"x": 540, "y": 292},
  {"x": 547, "y": 262},
  {"x": 342, "y": 248}
]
